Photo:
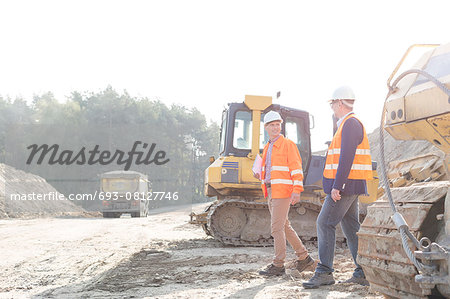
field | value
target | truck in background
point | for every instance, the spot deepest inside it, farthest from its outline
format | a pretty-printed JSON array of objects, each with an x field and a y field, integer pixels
[{"x": 124, "y": 192}]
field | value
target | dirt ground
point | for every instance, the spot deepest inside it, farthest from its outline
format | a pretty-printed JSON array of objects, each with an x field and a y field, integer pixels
[{"x": 161, "y": 256}]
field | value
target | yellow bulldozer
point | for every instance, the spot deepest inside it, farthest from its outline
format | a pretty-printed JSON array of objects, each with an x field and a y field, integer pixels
[
  {"x": 240, "y": 215},
  {"x": 404, "y": 242}
]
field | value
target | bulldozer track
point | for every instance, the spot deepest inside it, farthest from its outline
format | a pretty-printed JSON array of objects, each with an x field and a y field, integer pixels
[{"x": 214, "y": 212}]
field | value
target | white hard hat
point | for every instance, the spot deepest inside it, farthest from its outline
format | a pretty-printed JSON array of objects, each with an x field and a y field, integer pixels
[
  {"x": 272, "y": 116},
  {"x": 343, "y": 93}
]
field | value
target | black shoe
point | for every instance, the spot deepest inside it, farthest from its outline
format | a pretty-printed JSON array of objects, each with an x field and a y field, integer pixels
[
  {"x": 359, "y": 280},
  {"x": 319, "y": 279},
  {"x": 272, "y": 270},
  {"x": 301, "y": 265}
]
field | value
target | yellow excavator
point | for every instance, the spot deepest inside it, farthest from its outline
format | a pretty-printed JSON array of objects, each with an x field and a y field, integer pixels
[
  {"x": 404, "y": 241},
  {"x": 240, "y": 215}
]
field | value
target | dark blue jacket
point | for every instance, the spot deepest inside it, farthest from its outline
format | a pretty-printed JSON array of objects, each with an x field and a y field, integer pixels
[{"x": 352, "y": 136}]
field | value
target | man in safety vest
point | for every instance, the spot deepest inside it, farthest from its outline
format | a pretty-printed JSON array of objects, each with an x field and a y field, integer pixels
[
  {"x": 282, "y": 183},
  {"x": 347, "y": 168}
]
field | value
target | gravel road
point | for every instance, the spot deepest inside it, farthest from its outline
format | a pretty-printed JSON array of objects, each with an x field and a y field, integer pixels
[{"x": 161, "y": 256}]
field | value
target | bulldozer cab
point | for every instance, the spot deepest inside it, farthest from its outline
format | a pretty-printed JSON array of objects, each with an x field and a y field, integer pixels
[
  {"x": 236, "y": 138},
  {"x": 242, "y": 138}
]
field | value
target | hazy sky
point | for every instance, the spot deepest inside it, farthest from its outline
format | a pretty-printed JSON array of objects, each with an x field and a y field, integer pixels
[{"x": 205, "y": 54}]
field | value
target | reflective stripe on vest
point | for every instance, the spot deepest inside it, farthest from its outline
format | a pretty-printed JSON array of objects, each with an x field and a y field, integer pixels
[
  {"x": 297, "y": 171},
  {"x": 285, "y": 168},
  {"x": 280, "y": 168},
  {"x": 286, "y": 182},
  {"x": 362, "y": 163},
  {"x": 354, "y": 166},
  {"x": 337, "y": 151}
]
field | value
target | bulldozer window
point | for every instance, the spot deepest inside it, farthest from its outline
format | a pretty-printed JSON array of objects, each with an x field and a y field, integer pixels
[
  {"x": 438, "y": 66},
  {"x": 242, "y": 136},
  {"x": 120, "y": 185},
  {"x": 263, "y": 136},
  {"x": 223, "y": 132},
  {"x": 295, "y": 131},
  {"x": 292, "y": 132}
]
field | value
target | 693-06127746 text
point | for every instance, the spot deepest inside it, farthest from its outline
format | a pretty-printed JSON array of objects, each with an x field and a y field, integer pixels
[{"x": 139, "y": 195}]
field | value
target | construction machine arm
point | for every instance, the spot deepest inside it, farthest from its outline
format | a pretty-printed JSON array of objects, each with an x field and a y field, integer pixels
[{"x": 398, "y": 219}]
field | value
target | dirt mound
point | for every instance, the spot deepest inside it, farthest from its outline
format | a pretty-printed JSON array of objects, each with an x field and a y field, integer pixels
[
  {"x": 408, "y": 161},
  {"x": 394, "y": 149},
  {"x": 397, "y": 149},
  {"x": 24, "y": 194}
]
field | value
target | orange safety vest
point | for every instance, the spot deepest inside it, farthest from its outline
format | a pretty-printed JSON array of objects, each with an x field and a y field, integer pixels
[
  {"x": 362, "y": 163},
  {"x": 286, "y": 175}
]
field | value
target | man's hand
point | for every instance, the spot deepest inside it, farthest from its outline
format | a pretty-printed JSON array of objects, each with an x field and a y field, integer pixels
[
  {"x": 295, "y": 198},
  {"x": 335, "y": 194},
  {"x": 256, "y": 175}
]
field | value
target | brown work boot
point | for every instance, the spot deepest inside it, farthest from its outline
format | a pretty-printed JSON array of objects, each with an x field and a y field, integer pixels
[
  {"x": 272, "y": 270},
  {"x": 301, "y": 265},
  {"x": 359, "y": 280}
]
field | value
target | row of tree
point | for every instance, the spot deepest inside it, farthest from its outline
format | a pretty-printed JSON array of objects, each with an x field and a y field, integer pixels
[{"x": 111, "y": 121}]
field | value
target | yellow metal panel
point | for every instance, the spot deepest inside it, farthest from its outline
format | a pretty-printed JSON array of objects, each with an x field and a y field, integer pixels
[
  {"x": 213, "y": 174},
  {"x": 442, "y": 125},
  {"x": 400, "y": 131},
  {"x": 257, "y": 102},
  {"x": 424, "y": 131},
  {"x": 246, "y": 181},
  {"x": 372, "y": 189},
  {"x": 393, "y": 106},
  {"x": 421, "y": 130},
  {"x": 427, "y": 100},
  {"x": 247, "y": 173},
  {"x": 256, "y": 123},
  {"x": 242, "y": 186}
]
